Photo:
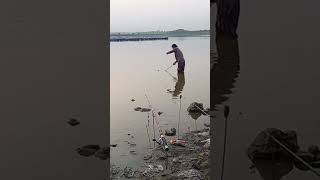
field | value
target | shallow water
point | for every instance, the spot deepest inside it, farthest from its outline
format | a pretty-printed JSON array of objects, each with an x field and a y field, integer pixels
[
  {"x": 137, "y": 70},
  {"x": 277, "y": 84}
]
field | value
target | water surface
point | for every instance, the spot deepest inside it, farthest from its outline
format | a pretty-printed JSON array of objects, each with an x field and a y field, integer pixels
[{"x": 137, "y": 71}]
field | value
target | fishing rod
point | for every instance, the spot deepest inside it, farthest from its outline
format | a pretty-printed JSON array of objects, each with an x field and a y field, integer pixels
[
  {"x": 172, "y": 76},
  {"x": 169, "y": 68},
  {"x": 294, "y": 154},
  {"x": 154, "y": 133},
  {"x": 202, "y": 111}
]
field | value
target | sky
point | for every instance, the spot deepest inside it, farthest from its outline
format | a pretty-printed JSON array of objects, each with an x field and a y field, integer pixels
[{"x": 153, "y": 15}]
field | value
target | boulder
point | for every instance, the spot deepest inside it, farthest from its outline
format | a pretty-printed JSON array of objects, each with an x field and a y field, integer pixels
[
  {"x": 313, "y": 149},
  {"x": 264, "y": 146},
  {"x": 195, "y": 108},
  {"x": 171, "y": 132}
]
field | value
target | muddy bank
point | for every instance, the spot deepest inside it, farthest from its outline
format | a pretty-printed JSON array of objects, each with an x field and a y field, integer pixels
[{"x": 188, "y": 162}]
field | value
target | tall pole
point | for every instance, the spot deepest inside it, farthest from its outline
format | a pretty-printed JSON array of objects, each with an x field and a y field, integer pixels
[
  {"x": 179, "y": 117},
  {"x": 226, "y": 114}
]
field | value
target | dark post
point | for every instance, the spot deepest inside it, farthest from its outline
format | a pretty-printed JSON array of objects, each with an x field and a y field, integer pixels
[{"x": 227, "y": 17}]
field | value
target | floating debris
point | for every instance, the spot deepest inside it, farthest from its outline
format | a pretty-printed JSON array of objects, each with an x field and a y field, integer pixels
[
  {"x": 73, "y": 122},
  {"x": 88, "y": 150}
]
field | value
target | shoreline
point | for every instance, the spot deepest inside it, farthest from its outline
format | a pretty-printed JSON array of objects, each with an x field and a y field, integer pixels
[{"x": 191, "y": 161}]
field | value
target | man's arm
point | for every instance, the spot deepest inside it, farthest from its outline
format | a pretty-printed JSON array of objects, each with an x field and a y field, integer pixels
[{"x": 169, "y": 52}]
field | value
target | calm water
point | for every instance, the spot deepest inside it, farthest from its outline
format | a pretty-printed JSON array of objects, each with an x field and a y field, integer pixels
[
  {"x": 137, "y": 69},
  {"x": 51, "y": 70},
  {"x": 277, "y": 83}
]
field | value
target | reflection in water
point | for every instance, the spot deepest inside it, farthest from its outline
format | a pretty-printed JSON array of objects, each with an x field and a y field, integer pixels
[
  {"x": 273, "y": 169},
  {"x": 224, "y": 69},
  {"x": 179, "y": 85}
]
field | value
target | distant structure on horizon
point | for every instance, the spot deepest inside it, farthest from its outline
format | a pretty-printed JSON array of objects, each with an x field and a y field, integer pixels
[{"x": 156, "y": 35}]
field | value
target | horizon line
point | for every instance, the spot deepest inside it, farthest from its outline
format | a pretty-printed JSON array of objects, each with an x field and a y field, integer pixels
[{"x": 156, "y": 31}]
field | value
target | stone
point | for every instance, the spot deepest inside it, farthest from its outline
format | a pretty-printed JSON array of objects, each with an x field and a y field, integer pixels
[
  {"x": 88, "y": 150},
  {"x": 207, "y": 144},
  {"x": 171, "y": 132},
  {"x": 73, "y": 122},
  {"x": 315, "y": 164},
  {"x": 147, "y": 156},
  {"x": 132, "y": 144},
  {"x": 313, "y": 149},
  {"x": 264, "y": 146},
  {"x": 189, "y": 174},
  {"x": 207, "y": 124},
  {"x": 152, "y": 170},
  {"x": 206, "y": 133},
  {"x": 115, "y": 170},
  {"x": 128, "y": 172},
  {"x": 145, "y": 110},
  {"x": 306, "y": 156},
  {"x": 195, "y": 107},
  {"x": 175, "y": 160},
  {"x": 133, "y": 152}
]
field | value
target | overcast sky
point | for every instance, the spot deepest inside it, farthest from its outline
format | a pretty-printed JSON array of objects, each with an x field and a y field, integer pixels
[{"x": 152, "y": 15}]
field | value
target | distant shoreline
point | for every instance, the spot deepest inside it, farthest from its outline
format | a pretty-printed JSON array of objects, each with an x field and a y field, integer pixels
[
  {"x": 175, "y": 33},
  {"x": 157, "y": 35}
]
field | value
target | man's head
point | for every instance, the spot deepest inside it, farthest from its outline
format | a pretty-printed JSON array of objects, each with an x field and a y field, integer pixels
[{"x": 174, "y": 46}]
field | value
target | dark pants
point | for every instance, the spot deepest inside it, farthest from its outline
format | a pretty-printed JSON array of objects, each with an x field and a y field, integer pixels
[{"x": 181, "y": 65}]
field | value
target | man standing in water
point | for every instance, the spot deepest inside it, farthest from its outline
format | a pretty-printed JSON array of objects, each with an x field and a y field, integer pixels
[{"x": 179, "y": 58}]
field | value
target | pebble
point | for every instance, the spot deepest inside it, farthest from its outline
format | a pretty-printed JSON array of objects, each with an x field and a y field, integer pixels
[
  {"x": 88, "y": 150},
  {"x": 73, "y": 122}
]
